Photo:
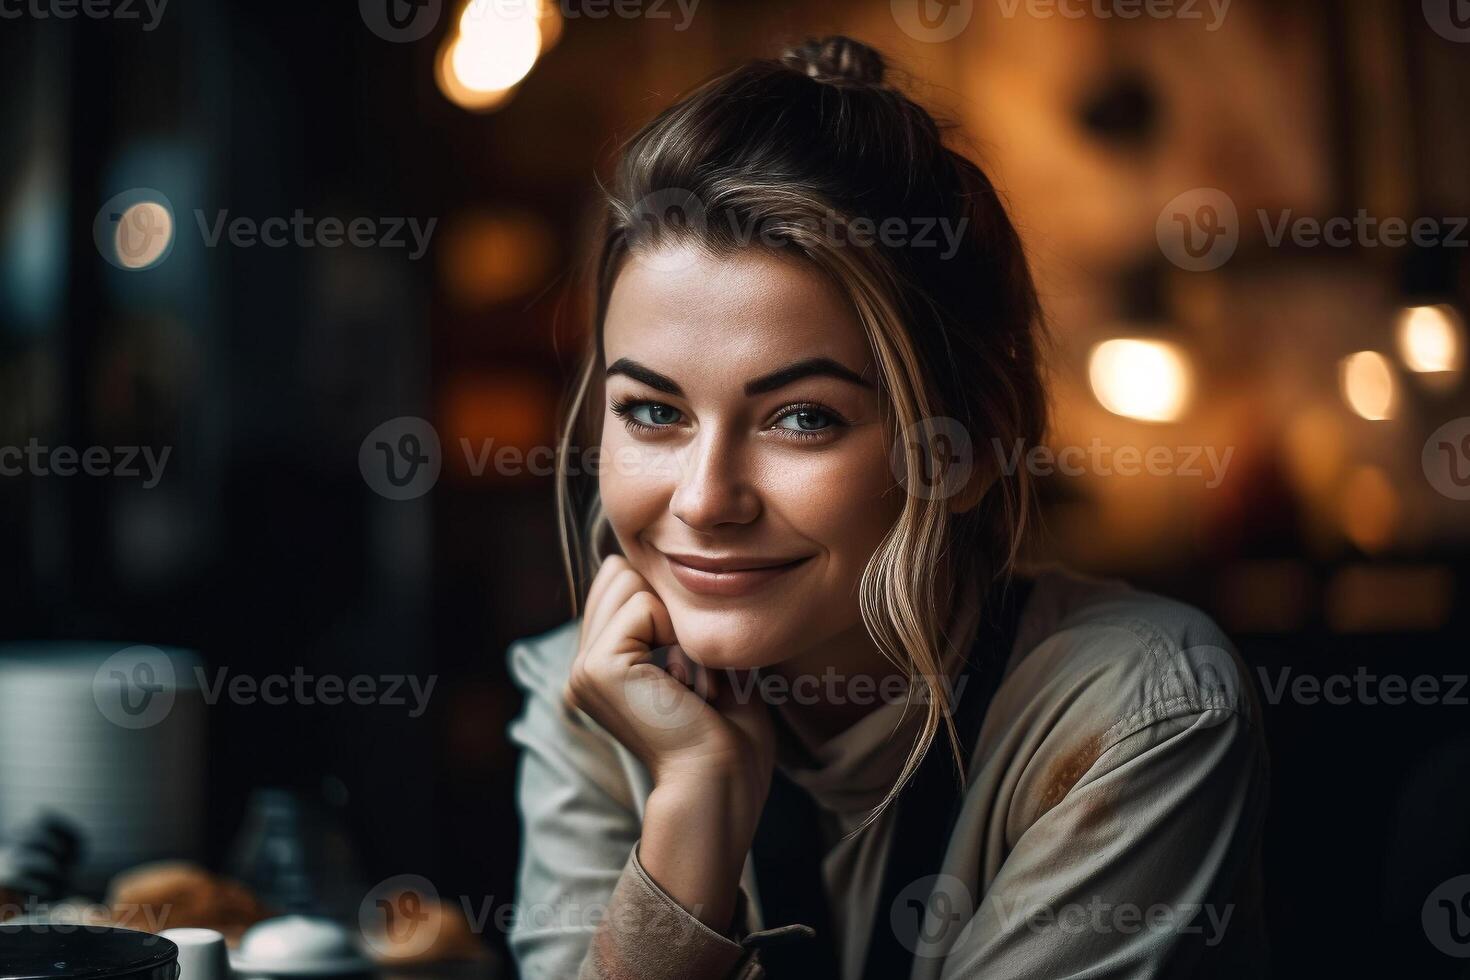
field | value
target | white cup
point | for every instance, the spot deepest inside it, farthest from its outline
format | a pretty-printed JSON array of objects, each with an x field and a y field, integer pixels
[{"x": 202, "y": 954}]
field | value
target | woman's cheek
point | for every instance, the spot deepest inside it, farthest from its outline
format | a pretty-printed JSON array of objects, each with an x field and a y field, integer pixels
[{"x": 636, "y": 483}]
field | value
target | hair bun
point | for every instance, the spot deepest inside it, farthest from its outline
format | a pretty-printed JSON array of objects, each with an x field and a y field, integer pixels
[{"x": 837, "y": 60}]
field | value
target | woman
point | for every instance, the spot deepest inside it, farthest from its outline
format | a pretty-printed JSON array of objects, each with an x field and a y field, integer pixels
[{"x": 809, "y": 722}]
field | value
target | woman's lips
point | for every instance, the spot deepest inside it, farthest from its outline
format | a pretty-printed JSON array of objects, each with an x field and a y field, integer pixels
[{"x": 727, "y": 576}]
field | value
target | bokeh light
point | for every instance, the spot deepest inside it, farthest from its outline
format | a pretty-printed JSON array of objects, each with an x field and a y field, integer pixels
[
  {"x": 1140, "y": 379},
  {"x": 1367, "y": 385}
]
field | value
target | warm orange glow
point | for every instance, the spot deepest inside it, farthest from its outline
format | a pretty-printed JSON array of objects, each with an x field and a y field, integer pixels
[
  {"x": 1430, "y": 339},
  {"x": 492, "y": 421},
  {"x": 1140, "y": 379},
  {"x": 1367, "y": 385},
  {"x": 1370, "y": 508},
  {"x": 489, "y": 257}
]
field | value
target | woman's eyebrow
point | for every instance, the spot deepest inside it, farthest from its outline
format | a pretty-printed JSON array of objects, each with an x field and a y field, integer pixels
[{"x": 780, "y": 378}]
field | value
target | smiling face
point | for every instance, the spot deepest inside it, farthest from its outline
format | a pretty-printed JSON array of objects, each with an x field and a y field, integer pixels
[{"x": 745, "y": 469}]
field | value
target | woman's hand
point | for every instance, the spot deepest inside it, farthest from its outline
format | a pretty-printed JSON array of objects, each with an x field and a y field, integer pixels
[
  {"x": 678, "y": 718},
  {"x": 710, "y": 751}
]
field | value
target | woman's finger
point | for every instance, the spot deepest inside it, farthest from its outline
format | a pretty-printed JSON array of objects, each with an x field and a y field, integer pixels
[
  {"x": 640, "y": 624},
  {"x": 611, "y": 568}
]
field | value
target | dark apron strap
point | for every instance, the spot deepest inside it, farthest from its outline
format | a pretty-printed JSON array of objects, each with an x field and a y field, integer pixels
[{"x": 788, "y": 848}]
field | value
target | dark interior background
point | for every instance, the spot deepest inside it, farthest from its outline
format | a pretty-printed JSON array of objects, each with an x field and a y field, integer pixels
[{"x": 1326, "y": 549}]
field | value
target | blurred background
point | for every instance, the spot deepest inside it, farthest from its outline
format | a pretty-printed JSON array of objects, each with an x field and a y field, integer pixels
[{"x": 1304, "y": 395}]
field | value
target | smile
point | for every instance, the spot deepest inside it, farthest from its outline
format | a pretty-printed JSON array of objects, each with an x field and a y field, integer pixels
[{"x": 732, "y": 576}]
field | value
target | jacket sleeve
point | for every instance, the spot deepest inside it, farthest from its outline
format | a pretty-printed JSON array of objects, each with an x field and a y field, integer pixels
[
  {"x": 1133, "y": 870},
  {"x": 585, "y": 907}
]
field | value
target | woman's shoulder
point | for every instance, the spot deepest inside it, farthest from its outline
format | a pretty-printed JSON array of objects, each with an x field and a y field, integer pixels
[{"x": 1125, "y": 655}]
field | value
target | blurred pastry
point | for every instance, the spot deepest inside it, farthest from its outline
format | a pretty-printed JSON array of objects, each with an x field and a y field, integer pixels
[
  {"x": 181, "y": 895},
  {"x": 439, "y": 933}
]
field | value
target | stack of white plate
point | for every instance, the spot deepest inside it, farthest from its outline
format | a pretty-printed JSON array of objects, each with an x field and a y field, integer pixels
[{"x": 110, "y": 736}]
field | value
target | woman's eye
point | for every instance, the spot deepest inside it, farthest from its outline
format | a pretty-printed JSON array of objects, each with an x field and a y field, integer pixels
[
  {"x": 654, "y": 413},
  {"x": 650, "y": 415},
  {"x": 806, "y": 420}
]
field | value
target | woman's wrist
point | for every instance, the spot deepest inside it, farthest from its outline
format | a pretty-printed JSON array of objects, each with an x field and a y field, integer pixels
[{"x": 697, "y": 830}]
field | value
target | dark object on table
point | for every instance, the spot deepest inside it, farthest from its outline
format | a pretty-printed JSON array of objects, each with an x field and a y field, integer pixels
[
  {"x": 36, "y": 952},
  {"x": 293, "y": 854},
  {"x": 37, "y": 858}
]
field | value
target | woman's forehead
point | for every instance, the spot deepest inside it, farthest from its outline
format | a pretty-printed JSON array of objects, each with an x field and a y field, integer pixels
[{"x": 747, "y": 308}]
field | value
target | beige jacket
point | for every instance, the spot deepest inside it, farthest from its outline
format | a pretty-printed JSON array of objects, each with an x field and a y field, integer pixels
[{"x": 1110, "y": 825}]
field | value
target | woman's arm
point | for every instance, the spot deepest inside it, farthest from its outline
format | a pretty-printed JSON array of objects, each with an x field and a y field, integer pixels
[
  {"x": 666, "y": 907},
  {"x": 1138, "y": 866}
]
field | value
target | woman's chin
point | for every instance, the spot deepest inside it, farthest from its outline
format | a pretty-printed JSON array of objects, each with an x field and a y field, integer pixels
[{"x": 721, "y": 642}]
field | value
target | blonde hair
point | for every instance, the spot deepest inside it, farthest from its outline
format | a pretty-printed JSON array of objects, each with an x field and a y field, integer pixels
[{"x": 789, "y": 146}]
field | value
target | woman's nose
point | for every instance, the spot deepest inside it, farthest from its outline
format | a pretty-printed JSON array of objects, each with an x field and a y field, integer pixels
[{"x": 713, "y": 488}]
